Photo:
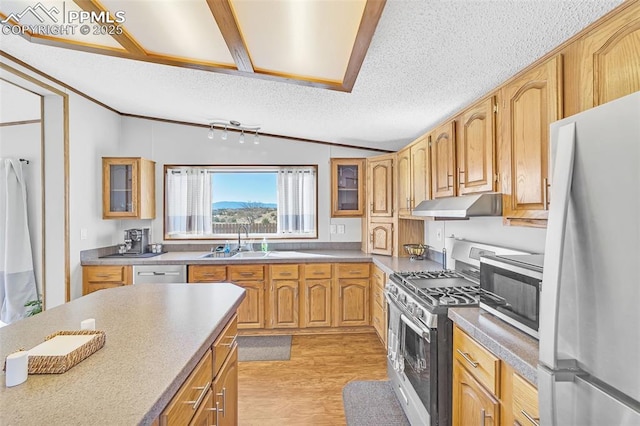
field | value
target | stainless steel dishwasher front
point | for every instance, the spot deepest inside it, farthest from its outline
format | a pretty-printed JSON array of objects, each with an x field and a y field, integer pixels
[{"x": 159, "y": 274}]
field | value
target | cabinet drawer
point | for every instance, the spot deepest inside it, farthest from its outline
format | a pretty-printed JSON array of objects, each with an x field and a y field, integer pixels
[
  {"x": 245, "y": 272},
  {"x": 317, "y": 270},
  {"x": 525, "y": 402},
  {"x": 106, "y": 273},
  {"x": 284, "y": 272},
  {"x": 481, "y": 363},
  {"x": 207, "y": 273},
  {"x": 353, "y": 270},
  {"x": 377, "y": 319},
  {"x": 190, "y": 395},
  {"x": 223, "y": 345},
  {"x": 378, "y": 296}
]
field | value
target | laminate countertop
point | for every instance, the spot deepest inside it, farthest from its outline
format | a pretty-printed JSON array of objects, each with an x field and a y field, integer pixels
[
  {"x": 387, "y": 263},
  {"x": 155, "y": 336}
]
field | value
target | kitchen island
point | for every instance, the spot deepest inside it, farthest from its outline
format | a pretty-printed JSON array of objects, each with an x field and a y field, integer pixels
[{"x": 156, "y": 334}]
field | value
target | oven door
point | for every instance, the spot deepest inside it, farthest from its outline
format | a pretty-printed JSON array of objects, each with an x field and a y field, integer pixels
[{"x": 419, "y": 352}]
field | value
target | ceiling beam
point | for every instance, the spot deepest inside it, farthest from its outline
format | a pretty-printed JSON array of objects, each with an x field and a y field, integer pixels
[
  {"x": 125, "y": 39},
  {"x": 223, "y": 13},
  {"x": 370, "y": 17}
]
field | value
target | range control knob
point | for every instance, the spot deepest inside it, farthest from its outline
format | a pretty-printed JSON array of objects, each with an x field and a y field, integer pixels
[
  {"x": 402, "y": 298},
  {"x": 411, "y": 307}
]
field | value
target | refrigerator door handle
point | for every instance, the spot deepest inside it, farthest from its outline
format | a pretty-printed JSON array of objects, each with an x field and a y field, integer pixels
[{"x": 554, "y": 244}]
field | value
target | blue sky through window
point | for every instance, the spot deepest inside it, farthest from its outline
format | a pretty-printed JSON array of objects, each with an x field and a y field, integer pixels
[{"x": 243, "y": 187}]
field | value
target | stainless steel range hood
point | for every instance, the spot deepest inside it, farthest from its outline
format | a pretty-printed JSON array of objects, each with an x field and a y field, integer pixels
[{"x": 462, "y": 207}]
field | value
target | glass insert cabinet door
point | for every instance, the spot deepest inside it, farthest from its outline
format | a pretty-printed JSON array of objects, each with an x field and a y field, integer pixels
[
  {"x": 128, "y": 188},
  {"x": 347, "y": 187}
]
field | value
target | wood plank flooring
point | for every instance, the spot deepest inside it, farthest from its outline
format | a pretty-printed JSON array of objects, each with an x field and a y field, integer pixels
[{"x": 307, "y": 389}]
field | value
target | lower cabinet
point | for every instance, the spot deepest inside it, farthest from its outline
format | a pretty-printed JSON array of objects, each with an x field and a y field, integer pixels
[
  {"x": 473, "y": 404},
  {"x": 351, "y": 299},
  {"x": 378, "y": 304},
  {"x": 251, "y": 310},
  {"x": 315, "y": 306},
  {"x": 225, "y": 391},
  {"x": 486, "y": 390},
  {"x": 209, "y": 396},
  {"x": 96, "y": 278}
]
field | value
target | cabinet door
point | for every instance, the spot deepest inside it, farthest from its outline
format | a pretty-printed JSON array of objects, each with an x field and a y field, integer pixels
[
  {"x": 472, "y": 404},
  {"x": 285, "y": 304},
  {"x": 205, "y": 415},
  {"x": 128, "y": 188},
  {"x": 381, "y": 238},
  {"x": 610, "y": 59},
  {"x": 525, "y": 402},
  {"x": 352, "y": 302},
  {"x": 443, "y": 158},
  {"x": 529, "y": 104},
  {"x": 476, "y": 148},
  {"x": 225, "y": 388},
  {"x": 251, "y": 310},
  {"x": 347, "y": 187},
  {"x": 380, "y": 172},
  {"x": 316, "y": 303},
  {"x": 420, "y": 189},
  {"x": 403, "y": 194}
]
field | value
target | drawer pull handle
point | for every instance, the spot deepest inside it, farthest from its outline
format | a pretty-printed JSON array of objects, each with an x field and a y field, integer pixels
[
  {"x": 103, "y": 275},
  {"x": 230, "y": 344},
  {"x": 318, "y": 273},
  {"x": 529, "y": 417},
  {"x": 285, "y": 274},
  {"x": 197, "y": 402},
  {"x": 466, "y": 356},
  {"x": 246, "y": 274},
  {"x": 223, "y": 394}
]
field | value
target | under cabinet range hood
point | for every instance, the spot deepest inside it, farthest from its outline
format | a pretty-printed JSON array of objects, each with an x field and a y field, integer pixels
[{"x": 462, "y": 207}]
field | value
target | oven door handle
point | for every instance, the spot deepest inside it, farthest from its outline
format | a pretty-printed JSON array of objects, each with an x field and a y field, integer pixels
[{"x": 425, "y": 333}]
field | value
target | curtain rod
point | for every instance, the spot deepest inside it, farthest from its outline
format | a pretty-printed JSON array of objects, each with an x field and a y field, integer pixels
[{"x": 24, "y": 161}]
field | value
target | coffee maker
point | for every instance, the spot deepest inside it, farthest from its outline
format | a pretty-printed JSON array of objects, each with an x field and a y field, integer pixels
[{"x": 136, "y": 240}]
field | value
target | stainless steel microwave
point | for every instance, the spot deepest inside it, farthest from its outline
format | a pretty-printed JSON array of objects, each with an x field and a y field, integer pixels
[{"x": 511, "y": 287}]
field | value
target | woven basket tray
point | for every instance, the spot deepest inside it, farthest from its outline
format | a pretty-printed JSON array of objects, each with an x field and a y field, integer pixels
[{"x": 59, "y": 364}]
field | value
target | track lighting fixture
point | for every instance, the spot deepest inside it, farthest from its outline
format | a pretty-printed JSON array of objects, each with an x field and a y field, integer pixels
[{"x": 234, "y": 126}]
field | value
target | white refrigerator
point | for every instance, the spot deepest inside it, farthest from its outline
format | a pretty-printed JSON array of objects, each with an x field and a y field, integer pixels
[{"x": 589, "y": 369}]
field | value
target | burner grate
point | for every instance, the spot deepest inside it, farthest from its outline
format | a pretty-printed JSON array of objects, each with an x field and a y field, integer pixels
[{"x": 447, "y": 296}]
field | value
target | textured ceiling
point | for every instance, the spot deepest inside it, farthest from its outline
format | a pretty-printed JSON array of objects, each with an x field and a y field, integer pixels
[{"x": 427, "y": 60}]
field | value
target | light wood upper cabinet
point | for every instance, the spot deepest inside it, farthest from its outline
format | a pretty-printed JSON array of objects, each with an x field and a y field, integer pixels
[
  {"x": 403, "y": 194},
  {"x": 476, "y": 148},
  {"x": 609, "y": 59},
  {"x": 347, "y": 187},
  {"x": 128, "y": 188},
  {"x": 381, "y": 238},
  {"x": 420, "y": 179},
  {"x": 380, "y": 190},
  {"x": 443, "y": 161},
  {"x": 530, "y": 104}
]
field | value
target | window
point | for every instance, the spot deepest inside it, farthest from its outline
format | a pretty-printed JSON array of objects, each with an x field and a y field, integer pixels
[{"x": 213, "y": 202}]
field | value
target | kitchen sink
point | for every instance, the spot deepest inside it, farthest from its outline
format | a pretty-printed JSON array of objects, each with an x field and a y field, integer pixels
[{"x": 266, "y": 255}]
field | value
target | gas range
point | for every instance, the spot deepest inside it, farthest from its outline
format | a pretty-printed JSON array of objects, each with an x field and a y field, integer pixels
[{"x": 424, "y": 294}]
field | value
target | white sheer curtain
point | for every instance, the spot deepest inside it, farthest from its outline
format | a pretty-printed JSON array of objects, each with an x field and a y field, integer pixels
[
  {"x": 189, "y": 201},
  {"x": 296, "y": 200}
]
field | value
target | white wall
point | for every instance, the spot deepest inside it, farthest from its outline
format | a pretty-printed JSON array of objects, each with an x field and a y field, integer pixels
[
  {"x": 181, "y": 144},
  {"x": 488, "y": 230},
  {"x": 94, "y": 132},
  {"x": 24, "y": 141}
]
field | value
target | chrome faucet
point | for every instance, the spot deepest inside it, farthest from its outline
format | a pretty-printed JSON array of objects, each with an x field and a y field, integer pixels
[{"x": 246, "y": 231}]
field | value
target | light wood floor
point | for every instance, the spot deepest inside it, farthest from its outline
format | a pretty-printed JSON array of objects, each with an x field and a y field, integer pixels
[{"x": 307, "y": 389}]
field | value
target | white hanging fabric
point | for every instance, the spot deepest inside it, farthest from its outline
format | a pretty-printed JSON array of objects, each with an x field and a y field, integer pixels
[{"x": 17, "y": 278}]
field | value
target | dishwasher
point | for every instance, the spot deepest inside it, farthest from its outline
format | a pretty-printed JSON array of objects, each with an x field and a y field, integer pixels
[{"x": 159, "y": 274}]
